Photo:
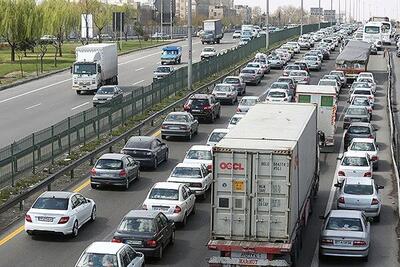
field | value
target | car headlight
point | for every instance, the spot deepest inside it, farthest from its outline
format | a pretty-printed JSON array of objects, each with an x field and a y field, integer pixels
[
  {"x": 95, "y": 99},
  {"x": 109, "y": 98}
]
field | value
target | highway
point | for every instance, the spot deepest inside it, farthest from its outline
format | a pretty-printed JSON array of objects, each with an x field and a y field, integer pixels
[
  {"x": 19, "y": 249},
  {"x": 38, "y": 104}
]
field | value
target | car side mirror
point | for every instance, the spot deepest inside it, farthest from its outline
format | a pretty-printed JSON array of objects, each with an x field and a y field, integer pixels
[
  {"x": 340, "y": 156},
  {"x": 339, "y": 185},
  {"x": 99, "y": 69},
  {"x": 380, "y": 187}
]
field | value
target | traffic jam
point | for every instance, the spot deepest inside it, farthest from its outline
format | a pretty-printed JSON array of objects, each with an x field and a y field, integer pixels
[{"x": 272, "y": 141}]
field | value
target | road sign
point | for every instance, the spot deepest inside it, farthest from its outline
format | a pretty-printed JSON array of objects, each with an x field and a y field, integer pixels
[{"x": 316, "y": 11}]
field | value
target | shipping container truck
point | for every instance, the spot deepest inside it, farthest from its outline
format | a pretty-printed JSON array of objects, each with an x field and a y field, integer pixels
[
  {"x": 265, "y": 175},
  {"x": 325, "y": 98},
  {"x": 95, "y": 65},
  {"x": 213, "y": 31}
]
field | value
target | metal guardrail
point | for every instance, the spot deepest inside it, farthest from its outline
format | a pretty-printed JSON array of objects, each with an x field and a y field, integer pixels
[{"x": 48, "y": 144}]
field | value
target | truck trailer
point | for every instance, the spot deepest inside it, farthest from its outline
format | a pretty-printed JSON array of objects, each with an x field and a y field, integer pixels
[
  {"x": 213, "y": 31},
  {"x": 95, "y": 65},
  {"x": 265, "y": 175}
]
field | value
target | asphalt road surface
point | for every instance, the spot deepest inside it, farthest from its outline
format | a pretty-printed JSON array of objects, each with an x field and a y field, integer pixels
[
  {"x": 189, "y": 248},
  {"x": 36, "y": 105}
]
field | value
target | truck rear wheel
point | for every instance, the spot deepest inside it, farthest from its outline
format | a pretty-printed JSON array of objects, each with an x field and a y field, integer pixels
[
  {"x": 78, "y": 92},
  {"x": 218, "y": 41}
]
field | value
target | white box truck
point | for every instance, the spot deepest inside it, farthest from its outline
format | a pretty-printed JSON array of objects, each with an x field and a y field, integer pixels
[
  {"x": 265, "y": 175},
  {"x": 325, "y": 98},
  {"x": 95, "y": 65},
  {"x": 213, "y": 31}
]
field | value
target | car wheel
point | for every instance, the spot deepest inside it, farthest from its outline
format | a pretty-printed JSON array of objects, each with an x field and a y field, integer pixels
[
  {"x": 189, "y": 137},
  {"x": 75, "y": 229},
  {"x": 193, "y": 210},
  {"x": 155, "y": 163},
  {"x": 377, "y": 218},
  {"x": 163, "y": 137},
  {"x": 172, "y": 240},
  {"x": 160, "y": 252},
  {"x": 184, "y": 221},
  {"x": 365, "y": 259},
  {"x": 166, "y": 156},
  {"x": 93, "y": 186},
  {"x": 127, "y": 184},
  {"x": 93, "y": 214},
  {"x": 78, "y": 92}
]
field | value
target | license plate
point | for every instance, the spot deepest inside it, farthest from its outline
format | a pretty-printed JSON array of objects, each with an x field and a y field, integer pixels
[
  {"x": 160, "y": 208},
  {"x": 133, "y": 242},
  {"x": 196, "y": 110},
  {"x": 174, "y": 128},
  {"x": 45, "y": 219},
  {"x": 343, "y": 242}
]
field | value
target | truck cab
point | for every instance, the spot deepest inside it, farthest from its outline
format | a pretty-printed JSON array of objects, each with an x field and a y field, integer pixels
[{"x": 171, "y": 55}]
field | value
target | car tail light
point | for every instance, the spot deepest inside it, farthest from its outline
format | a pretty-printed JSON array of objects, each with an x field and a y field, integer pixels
[
  {"x": 209, "y": 167},
  {"x": 28, "y": 218},
  {"x": 359, "y": 243},
  {"x": 116, "y": 240},
  {"x": 63, "y": 220},
  {"x": 341, "y": 173},
  {"x": 151, "y": 243},
  {"x": 122, "y": 173},
  {"x": 370, "y": 97},
  {"x": 374, "y": 158},
  {"x": 326, "y": 241},
  {"x": 367, "y": 174},
  {"x": 341, "y": 200},
  {"x": 285, "y": 99},
  {"x": 374, "y": 201},
  {"x": 144, "y": 206},
  {"x": 207, "y": 107},
  {"x": 177, "y": 209},
  {"x": 93, "y": 171}
]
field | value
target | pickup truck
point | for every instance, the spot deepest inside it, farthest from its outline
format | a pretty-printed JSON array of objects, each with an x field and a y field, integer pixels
[{"x": 171, "y": 55}]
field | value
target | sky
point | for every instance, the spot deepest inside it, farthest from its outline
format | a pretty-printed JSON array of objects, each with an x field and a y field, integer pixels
[{"x": 391, "y": 8}]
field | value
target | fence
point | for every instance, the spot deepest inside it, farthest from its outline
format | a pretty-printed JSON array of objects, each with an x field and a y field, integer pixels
[{"x": 49, "y": 143}]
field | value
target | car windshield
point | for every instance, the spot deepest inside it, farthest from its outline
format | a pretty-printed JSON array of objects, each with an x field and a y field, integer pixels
[
  {"x": 97, "y": 260},
  {"x": 362, "y": 92},
  {"x": 199, "y": 154},
  {"x": 358, "y": 101},
  {"x": 140, "y": 225},
  {"x": 164, "y": 193},
  {"x": 51, "y": 203},
  {"x": 186, "y": 172},
  {"x": 209, "y": 49},
  {"x": 355, "y": 161},
  {"x": 176, "y": 118},
  {"x": 253, "y": 65},
  {"x": 298, "y": 73},
  {"x": 356, "y": 111},
  {"x": 106, "y": 91},
  {"x": 248, "y": 71},
  {"x": 216, "y": 136},
  {"x": 276, "y": 94},
  {"x": 285, "y": 80},
  {"x": 109, "y": 164},
  {"x": 235, "y": 120},
  {"x": 358, "y": 189},
  {"x": 344, "y": 224},
  {"x": 137, "y": 143},
  {"x": 359, "y": 85},
  {"x": 198, "y": 102},
  {"x": 163, "y": 69},
  {"x": 279, "y": 86},
  {"x": 248, "y": 102},
  {"x": 222, "y": 88},
  {"x": 292, "y": 67},
  {"x": 84, "y": 68},
  {"x": 358, "y": 130},
  {"x": 362, "y": 146},
  {"x": 365, "y": 80},
  {"x": 372, "y": 29},
  {"x": 231, "y": 80},
  {"x": 311, "y": 58}
]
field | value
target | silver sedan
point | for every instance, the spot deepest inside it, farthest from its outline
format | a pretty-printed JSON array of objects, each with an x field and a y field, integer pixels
[
  {"x": 108, "y": 95},
  {"x": 179, "y": 124}
]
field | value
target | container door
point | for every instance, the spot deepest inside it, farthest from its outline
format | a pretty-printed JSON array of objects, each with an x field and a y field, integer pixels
[
  {"x": 231, "y": 207},
  {"x": 270, "y": 191}
]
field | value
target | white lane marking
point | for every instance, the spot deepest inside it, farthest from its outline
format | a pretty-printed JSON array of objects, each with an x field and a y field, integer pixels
[
  {"x": 81, "y": 105},
  {"x": 33, "y": 91},
  {"x": 34, "y": 106},
  {"x": 138, "y": 82},
  {"x": 139, "y": 69},
  {"x": 139, "y": 58}
]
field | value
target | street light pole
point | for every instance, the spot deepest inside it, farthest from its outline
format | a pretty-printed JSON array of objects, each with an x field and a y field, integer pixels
[
  {"x": 190, "y": 44},
  {"x": 319, "y": 14},
  {"x": 301, "y": 19},
  {"x": 162, "y": 18},
  {"x": 332, "y": 16},
  {"x": 267, "y": 25},
  {"x": 340, "y": 18},
  {"x": 171, "y": 18}
]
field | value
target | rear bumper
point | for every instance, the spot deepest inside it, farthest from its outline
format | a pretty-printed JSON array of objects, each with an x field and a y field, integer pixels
[
  {"x": 107, "y": 181},
  {"x": 369, "y": 212},
  {"x": 36, "y": 228},
  {"x": 343, "y": 252},
  {"x": 175, "y": 132}
]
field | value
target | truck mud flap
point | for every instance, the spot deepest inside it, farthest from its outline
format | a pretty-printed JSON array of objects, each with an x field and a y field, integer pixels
[{"x": 224, "y": 261}]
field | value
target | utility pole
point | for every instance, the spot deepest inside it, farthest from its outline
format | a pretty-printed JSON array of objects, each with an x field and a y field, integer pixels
[
  {"x": 301, "y": 18},
  {"x": 350, "y": 13},
  {"x": 340, "y": 17},
  {"x": 162, "y": 18},
  {"x": 190, "y": 44},
  {"x": 345, "y": 11},
  {"x": 332, "y": 16},
  {"x": 171, "y": 18},
  {"x": 319, "y": 15},
  {"x": 267, "y": 25}
]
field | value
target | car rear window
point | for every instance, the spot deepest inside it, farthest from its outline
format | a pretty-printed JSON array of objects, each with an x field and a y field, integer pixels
[
  {"x": 362, "y": 146},
  {"x": 109, "y": 164},
  {"x": 356, "y": 111},
  {"x": 248, "y": 102},
  {"x": 176, "y": 118},
  {"x": 276, "y": 94},
  {"x": 355, "y": 161},
  {"x": 331, "y": 83},
  {"x": 231, "y": 80},
  {"x": 164, "y": 193},
  {"x": 97, "y": 260},
  {"x": 281, "y": 85},
  {"x": 198, "y": 102},
  {"x": 199, "y": 154},
  {"x": 362, "y": 92},
  {"x": 223, "y": 88},
  {"x": 139, "y": 225},
  {"x": 248, "y": 71},
  {"x": 186, "y": 172},
  {"x": 51, "y": 203},
  {"x": 216, "y": 137},
  {"x": 136, "y": 143},
  {"x": 292, "y": 67},
  {"x": 358, "y": 130},
  {"x": 358, "y": 189},
  {"x": 344, "y": 224}
]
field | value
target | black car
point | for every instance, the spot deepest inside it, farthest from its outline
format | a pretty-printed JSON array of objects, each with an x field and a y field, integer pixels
[
  {"x": 149, "y": 232},
  {"x": 203, "y": 106},
  {"x": 148, "y": 150},
  {"x": 358, "y": 130}
]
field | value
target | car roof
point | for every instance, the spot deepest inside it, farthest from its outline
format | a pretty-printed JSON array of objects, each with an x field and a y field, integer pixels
[
  {"x": 191, "y": 164},
  {"x": 365, "y": 124},
  {"x": 167, "y": 185},
  {"x": 144, "y": 139},
  {"x": 346, "y": 213},
  {"x": 104, "y": 247},
  {"x": 179, "y": 113},
  {"x": 57, "y": 194},
  {"x": 277, "y": 90},
  {"x": 220, "y": 130},
  {"x": 202, "y": 96},
  {"x": 352, "y": 153},
  {"x": 200, "y": 147},
  {"x": 112, "y": 156},
  {"x": 363, "y": 140},
  {"x": 238, "y": 115},
  {"x": 250, "y": 97},
  {"x": 358, "y": 180},
  {"x": 142, "y": 214}
]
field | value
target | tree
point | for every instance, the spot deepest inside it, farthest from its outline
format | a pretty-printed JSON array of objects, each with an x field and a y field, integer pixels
[
  {"x": 102, "y": 15},
  {"x": 10, "y": 20},
  {"x": 87, "y": 7},
  {"x": 130, "y": 18}
]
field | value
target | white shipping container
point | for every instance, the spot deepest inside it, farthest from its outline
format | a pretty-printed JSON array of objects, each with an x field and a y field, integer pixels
[{"x": 264, "y": 171}]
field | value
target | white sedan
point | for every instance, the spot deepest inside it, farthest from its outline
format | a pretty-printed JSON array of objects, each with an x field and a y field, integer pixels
[
  {"x": 175, "y": 200},
  {"x": 370, "y": 81},
  {"x": 59, "y": 212},
  {"x": 368, "y": 146},
  {"x": 216, "y": 135},
  {"x": 354, "y": 164},
  {"x": 194, "y": 175},
  {"x": 199, "y": 154},
  {"x": 235, "y": 120}
]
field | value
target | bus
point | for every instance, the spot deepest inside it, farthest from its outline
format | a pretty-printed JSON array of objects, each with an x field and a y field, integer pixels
[
  {"x": 372, "y": 33},
  {"x": 387, "y": 30}
]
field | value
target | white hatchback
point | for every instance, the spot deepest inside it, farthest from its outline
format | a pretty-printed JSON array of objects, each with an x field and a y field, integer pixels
[
  {"x": 199, "y": 154},
  {"x": 354, "y": 164},
  {"x": 59, "y": 212},
  {"x": 175, "y": 200}
]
